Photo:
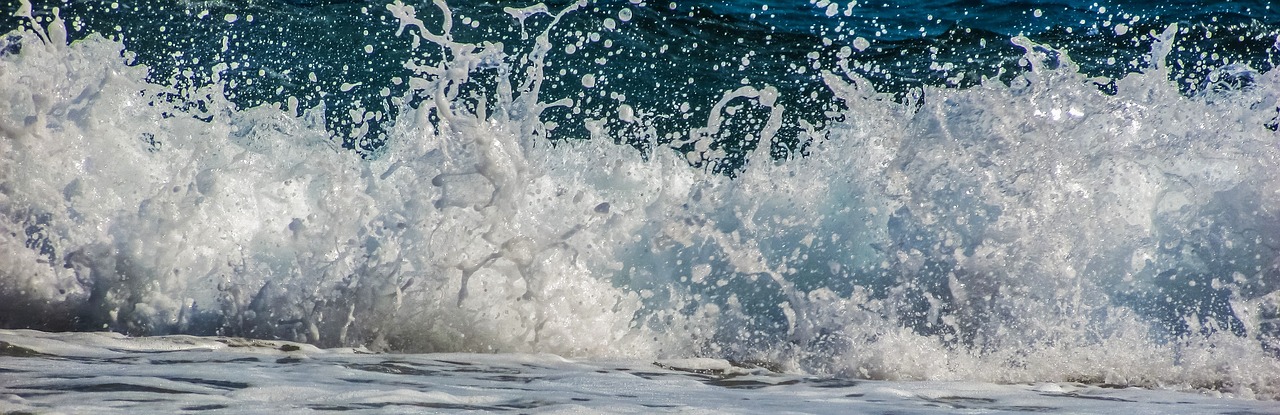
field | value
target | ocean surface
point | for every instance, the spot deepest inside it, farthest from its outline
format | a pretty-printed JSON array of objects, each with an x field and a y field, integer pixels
[
  {"x": 1019, "y": 198},
  {"x": 106, "y": 373}
]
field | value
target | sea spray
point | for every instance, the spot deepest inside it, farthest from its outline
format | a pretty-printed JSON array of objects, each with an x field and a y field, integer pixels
[
  {"x": 234, "y": 225},
  {"x": 1041, "y": 230}
]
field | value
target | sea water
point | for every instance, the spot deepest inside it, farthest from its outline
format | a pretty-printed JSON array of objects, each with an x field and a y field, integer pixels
[
  {"x": 103, "y": 372},
  {"x": 1008, "y": 193}
]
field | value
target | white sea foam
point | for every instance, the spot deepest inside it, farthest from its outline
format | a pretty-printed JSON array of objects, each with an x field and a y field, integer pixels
[
  {"x": 1040, "y": 231},
  {"x": 105, "y": 373}
]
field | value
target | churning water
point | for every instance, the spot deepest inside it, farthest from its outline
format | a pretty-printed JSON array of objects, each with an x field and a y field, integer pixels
[{"x": 995, "y": 192}]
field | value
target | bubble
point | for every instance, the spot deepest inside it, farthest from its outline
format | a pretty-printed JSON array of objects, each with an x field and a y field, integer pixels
[
  {"x": 626, "y": 113},
  {"x": 860, "y": 43}
]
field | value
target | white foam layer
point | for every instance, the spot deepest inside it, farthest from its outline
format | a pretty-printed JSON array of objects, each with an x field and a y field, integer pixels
[{"x": 93, "y": 372}]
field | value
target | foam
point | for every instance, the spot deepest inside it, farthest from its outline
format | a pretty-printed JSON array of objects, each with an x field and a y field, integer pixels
[
  {"x": 1037, "y": 231},
  {"x": 73, "y": 375}
]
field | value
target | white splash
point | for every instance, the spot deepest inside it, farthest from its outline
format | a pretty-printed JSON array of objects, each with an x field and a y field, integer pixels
[{"x": 1040, "y": 231}]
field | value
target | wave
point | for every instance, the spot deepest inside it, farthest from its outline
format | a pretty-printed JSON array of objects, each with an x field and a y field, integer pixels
[{"x": 1040, "y": 230}]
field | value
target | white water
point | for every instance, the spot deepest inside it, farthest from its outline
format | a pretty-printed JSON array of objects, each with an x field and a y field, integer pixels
[
  {"x": 107, "y": 373},
  {"x": 999, "y": 233}
]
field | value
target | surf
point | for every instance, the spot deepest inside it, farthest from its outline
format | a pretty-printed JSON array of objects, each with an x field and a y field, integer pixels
[{"x": 1043, "y": 229}]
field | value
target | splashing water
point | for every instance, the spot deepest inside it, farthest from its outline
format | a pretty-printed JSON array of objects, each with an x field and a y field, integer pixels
[{"x": 1040, "y": 230}]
